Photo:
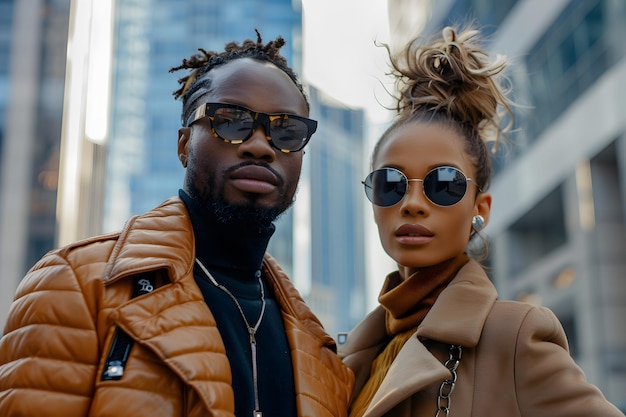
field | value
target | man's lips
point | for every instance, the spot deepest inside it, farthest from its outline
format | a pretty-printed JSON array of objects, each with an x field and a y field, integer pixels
[
  {"x": 254, "y": 179},
  {"x": 413, "y": 234}
]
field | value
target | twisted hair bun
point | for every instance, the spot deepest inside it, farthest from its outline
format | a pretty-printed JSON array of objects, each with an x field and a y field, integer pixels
[{"x": 452, "y": 75}]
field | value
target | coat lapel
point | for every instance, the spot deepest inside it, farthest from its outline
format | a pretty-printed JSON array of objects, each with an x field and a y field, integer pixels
[{"x": 413, "y": 369}]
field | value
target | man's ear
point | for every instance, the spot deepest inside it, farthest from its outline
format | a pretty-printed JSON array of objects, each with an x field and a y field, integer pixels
[{"x": 183, "y": 138}]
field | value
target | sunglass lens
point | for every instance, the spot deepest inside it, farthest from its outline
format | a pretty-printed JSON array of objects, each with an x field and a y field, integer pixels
[
  {"x": 288, "y": 133},
  {"x": 385, "y": 187},
  {"x": 232, "y": 124},
  {"x": 445, "y": 186}
]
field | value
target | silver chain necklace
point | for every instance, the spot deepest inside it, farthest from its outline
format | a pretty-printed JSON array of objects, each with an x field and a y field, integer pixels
[
  {"x": 251, "y": 330},
  {"x": 447, "y": 386}
]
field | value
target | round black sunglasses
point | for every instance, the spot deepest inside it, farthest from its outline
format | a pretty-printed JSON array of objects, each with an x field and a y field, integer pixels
[
  {"x": 236, "y": 124},
  {"x": 443, "y": 186}
]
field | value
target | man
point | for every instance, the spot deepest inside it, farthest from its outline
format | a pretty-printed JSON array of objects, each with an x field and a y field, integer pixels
[{"x": 182, "y": 313}]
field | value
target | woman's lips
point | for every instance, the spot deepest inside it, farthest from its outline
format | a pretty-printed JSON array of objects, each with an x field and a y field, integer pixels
[
  {"x": 413, "y": 234},
  {"x": 254, "y": 179}
]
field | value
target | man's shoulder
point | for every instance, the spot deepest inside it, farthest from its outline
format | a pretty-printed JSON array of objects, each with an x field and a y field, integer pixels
[{"x": 138, "y": 230}]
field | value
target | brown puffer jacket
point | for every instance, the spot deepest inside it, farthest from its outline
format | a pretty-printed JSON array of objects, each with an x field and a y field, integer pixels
[{"x": 61, "y": 325}]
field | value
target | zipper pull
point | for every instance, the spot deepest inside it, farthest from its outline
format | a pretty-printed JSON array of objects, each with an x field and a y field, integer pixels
[{"x": 115, "y": 370}]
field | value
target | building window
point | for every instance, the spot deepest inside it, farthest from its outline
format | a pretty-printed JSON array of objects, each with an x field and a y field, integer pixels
[
  {"x": 535, "y": 235},
  {"x": 569, "y": 58}
]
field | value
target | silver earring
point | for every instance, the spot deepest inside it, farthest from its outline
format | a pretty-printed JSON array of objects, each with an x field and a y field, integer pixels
[{"x": 478, "y": 222}]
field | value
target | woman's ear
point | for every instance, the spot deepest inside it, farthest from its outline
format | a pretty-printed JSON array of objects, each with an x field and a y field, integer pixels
[
  {"x": 183, "y": 138},
  {"x": 483, "y": 206}
]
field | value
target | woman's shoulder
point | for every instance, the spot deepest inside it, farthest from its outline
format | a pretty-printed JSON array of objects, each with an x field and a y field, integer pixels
[
  {"x": 514, "y": 322},
  {"x": 524, "y": 314}
]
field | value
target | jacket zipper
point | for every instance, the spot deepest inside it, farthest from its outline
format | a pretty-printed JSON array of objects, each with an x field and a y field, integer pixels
[
  {"x": 122, "y": 343},
  {"x": 117, "y": 357}
]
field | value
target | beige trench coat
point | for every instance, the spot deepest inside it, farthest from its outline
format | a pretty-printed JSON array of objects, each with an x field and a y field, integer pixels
[{"x": 515, "y": 359}]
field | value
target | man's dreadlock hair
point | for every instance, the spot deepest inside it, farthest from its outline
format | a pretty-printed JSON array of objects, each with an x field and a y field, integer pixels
[{"x": 196, "y": 83}]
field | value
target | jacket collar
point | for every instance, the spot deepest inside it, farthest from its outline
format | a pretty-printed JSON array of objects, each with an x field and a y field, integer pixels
[{"x": 169, "y": 233}]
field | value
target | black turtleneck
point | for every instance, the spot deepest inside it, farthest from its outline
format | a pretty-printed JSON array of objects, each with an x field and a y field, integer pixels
[{"x": 233, "y": 255}]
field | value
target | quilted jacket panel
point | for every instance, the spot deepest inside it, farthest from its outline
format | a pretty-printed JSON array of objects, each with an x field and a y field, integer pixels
[{"x": 69, "y": 305}]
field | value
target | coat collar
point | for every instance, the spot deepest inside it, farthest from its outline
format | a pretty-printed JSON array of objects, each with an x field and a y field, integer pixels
[
  {"x": 457, "y": 317},
  {"x": 460, "y": 312}
]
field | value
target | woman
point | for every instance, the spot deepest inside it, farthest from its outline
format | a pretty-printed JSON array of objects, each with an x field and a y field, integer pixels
[{"x": 440, "y": 344}]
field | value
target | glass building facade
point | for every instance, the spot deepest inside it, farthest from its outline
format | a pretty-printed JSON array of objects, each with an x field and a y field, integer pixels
[
  {"x": 33, "y": 51},
  {"x": 38, "y": 89},
  {"x": 337, "y": 155},
  {"x": 6, "y": 26},
  {"x": 583, "y": 43}
]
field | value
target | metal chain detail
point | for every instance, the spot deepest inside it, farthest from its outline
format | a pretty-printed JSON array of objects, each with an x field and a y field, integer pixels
[{"x": 447, "y": 386}]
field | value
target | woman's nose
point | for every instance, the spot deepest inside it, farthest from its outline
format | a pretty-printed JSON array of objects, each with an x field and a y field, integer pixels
[{"x": 414, "y": 201}]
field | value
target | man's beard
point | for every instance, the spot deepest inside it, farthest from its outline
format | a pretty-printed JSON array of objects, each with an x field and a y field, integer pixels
[{"x": 247, "y": 214}]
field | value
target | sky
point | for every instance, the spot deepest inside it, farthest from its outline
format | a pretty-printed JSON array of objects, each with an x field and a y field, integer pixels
[{"x": 340, "y": 55}]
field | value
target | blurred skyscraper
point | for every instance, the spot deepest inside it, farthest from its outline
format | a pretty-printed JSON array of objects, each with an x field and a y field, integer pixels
[
  {"x": 336, "y": 160},
  {"x": 559, "y": 213},
  {"x": 33, "y": 43}
]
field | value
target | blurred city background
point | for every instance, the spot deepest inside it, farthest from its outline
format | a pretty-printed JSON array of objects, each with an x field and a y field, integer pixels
[{"x": 88, "y": 132}]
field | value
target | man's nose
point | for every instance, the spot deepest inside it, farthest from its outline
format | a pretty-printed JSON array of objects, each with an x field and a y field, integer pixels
[{"x": 257, "y": 146}]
